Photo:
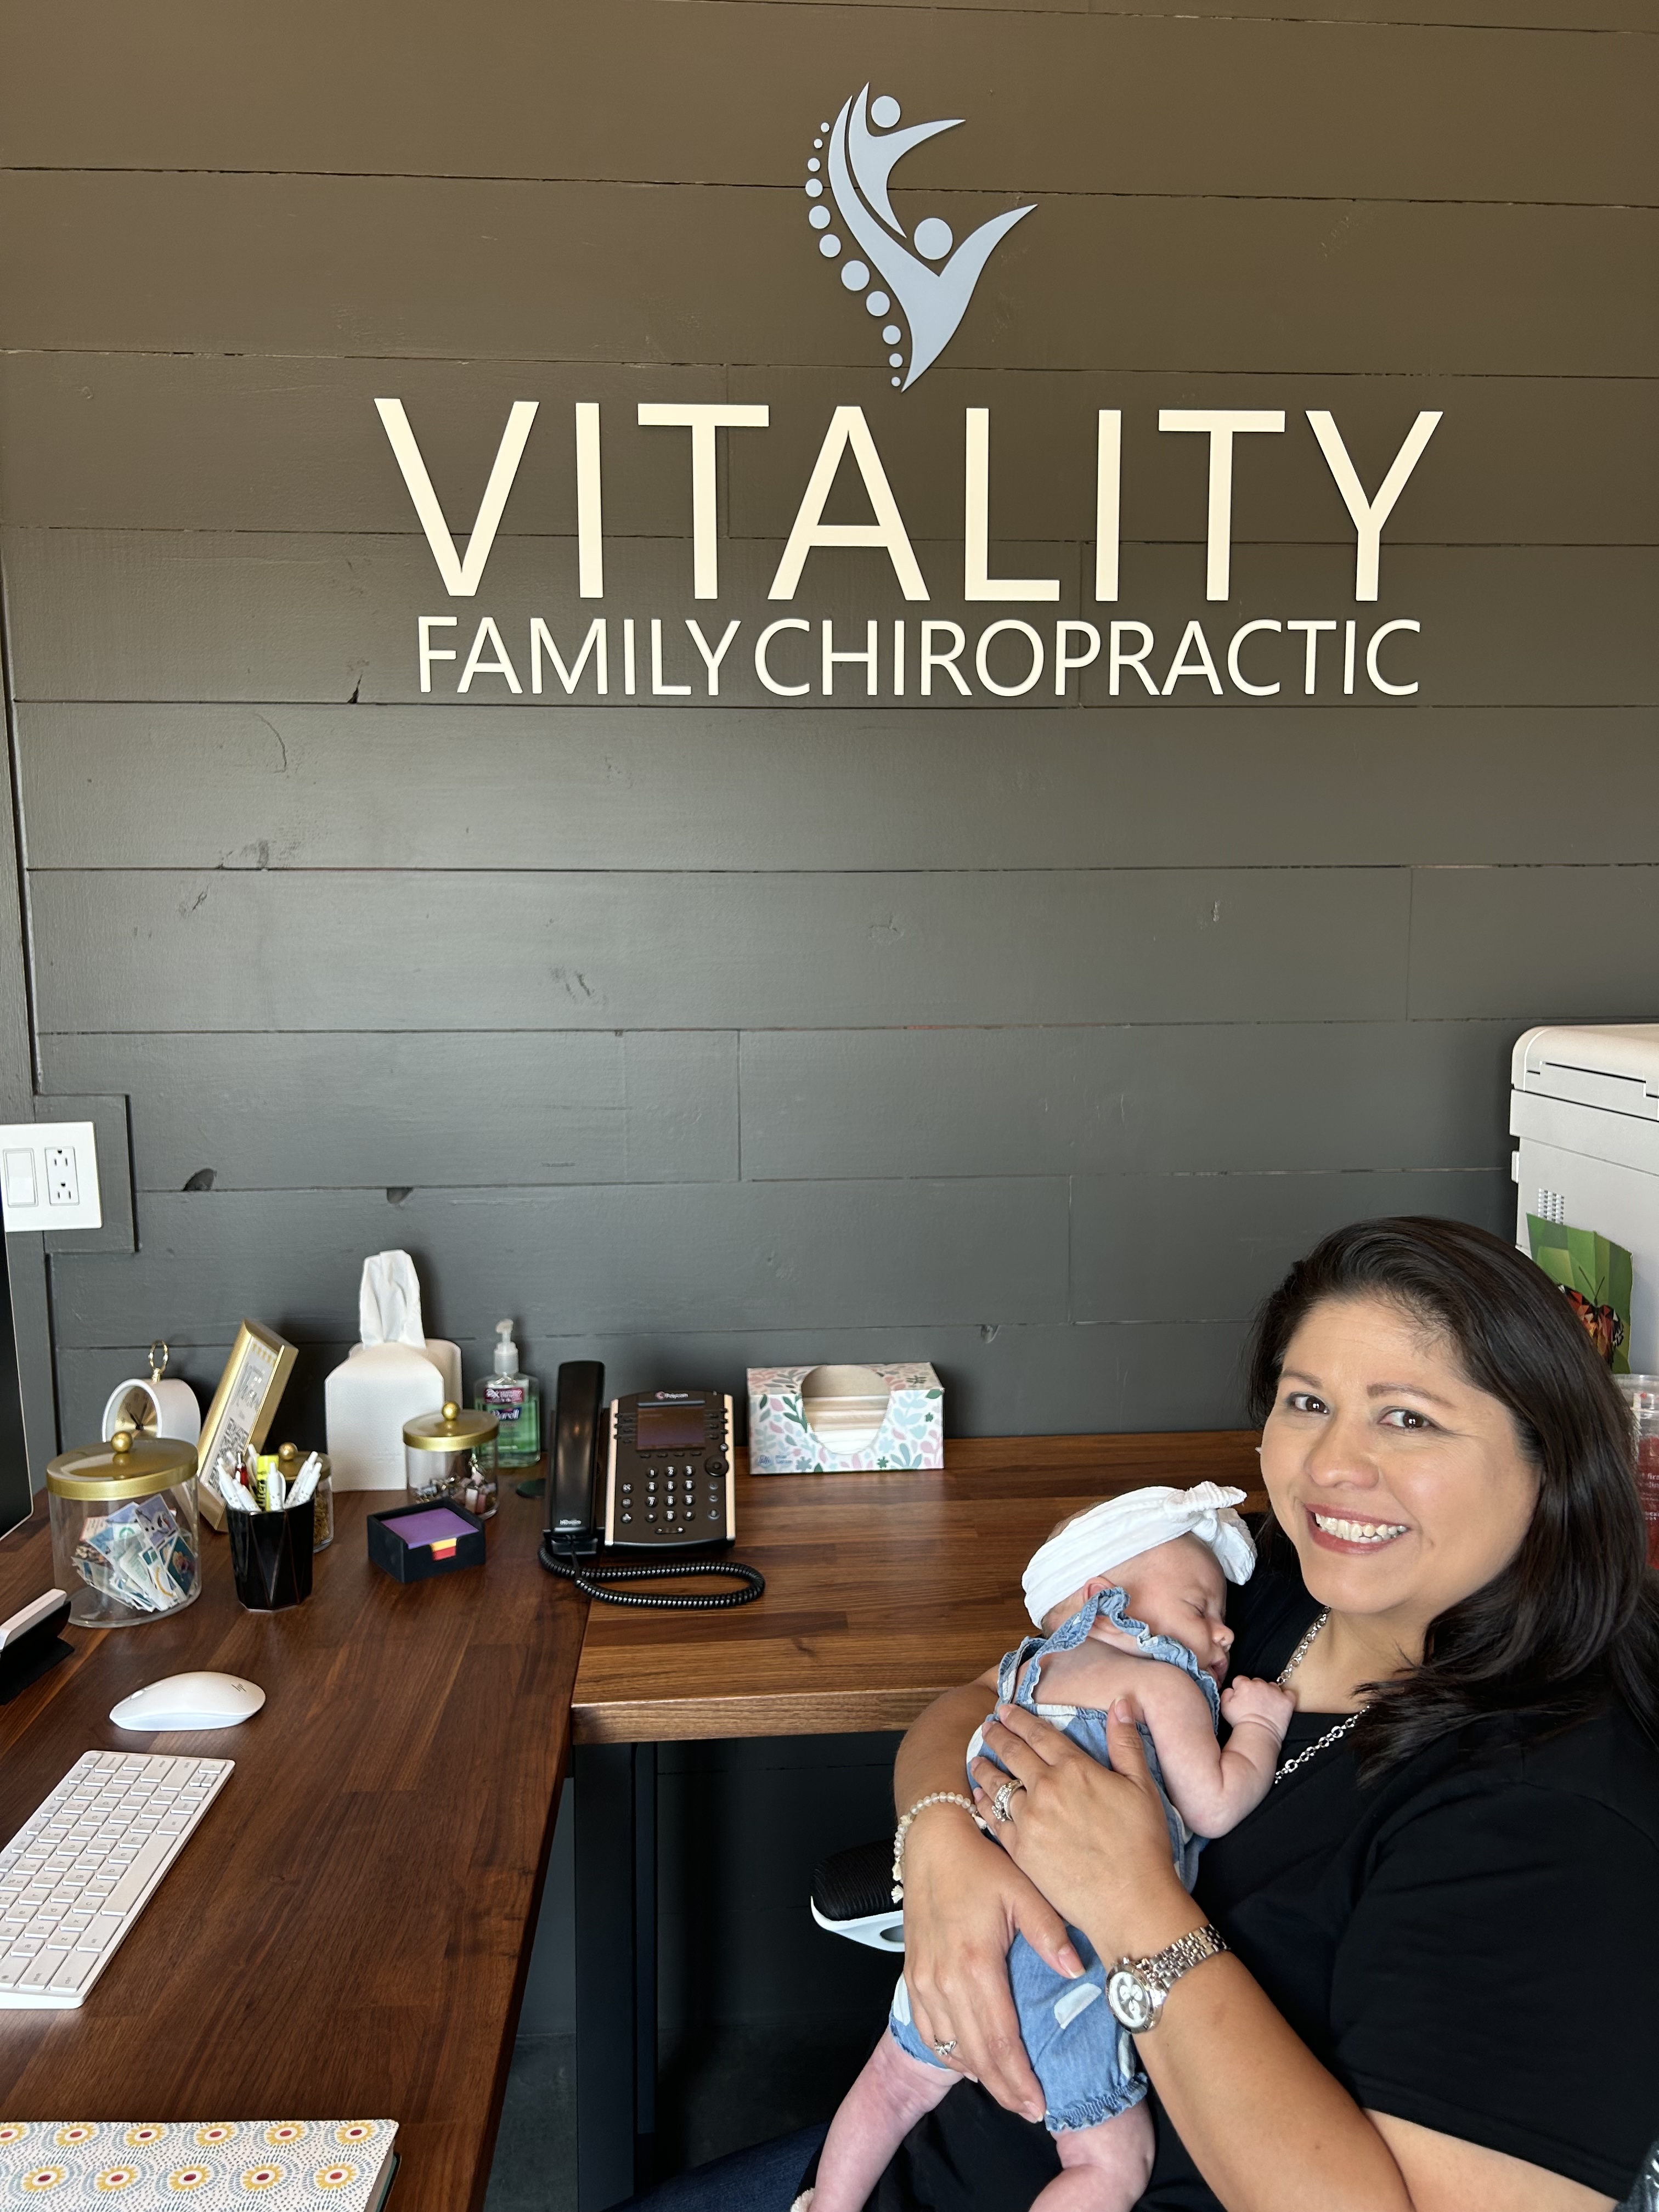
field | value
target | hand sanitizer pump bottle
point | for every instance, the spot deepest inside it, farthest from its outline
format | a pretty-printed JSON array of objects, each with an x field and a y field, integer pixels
[{"x": 515, "y": 1401}]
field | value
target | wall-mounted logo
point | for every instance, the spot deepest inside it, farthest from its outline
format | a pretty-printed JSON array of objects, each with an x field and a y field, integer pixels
[{"x": 930, "y": 278}]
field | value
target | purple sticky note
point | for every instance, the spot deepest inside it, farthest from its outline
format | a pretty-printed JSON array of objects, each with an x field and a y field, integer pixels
[{"x": 437, "y": 1525}]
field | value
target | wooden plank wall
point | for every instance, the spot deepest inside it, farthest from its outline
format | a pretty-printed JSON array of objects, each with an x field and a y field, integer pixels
[{"x": 1034, "y": 1037}]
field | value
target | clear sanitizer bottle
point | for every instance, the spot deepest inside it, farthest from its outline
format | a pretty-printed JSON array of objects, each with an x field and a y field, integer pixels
[{"x": 515, "y": 1401}]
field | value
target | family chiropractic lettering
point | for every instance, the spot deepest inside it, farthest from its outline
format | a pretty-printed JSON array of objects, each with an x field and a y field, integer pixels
[{"x": 940, "y": 646}]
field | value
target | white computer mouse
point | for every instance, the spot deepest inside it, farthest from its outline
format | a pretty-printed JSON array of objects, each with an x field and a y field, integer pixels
[{"x": 190, "y": 1701}]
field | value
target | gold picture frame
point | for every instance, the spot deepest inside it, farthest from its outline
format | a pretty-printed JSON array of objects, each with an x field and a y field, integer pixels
[{"x": 243, "y": 1405}]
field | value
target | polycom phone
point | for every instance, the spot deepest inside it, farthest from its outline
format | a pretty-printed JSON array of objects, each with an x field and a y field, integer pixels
[
  {"x": 670, "y": 1471},
  {"x": 650, "y": 1474}
]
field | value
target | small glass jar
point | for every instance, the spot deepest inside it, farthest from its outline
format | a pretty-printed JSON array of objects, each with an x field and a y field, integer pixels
[
  {"x": 452, "y": 1454},
  {"x": 287, "y": 1462},
  {"x": 124, "y": 1529},
  {"x": 1642, "y": 1396}
]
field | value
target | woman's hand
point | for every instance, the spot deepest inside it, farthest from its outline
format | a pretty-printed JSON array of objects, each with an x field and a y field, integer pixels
[
  {"x": 964, "y": 1902},
  {"x": 1093, "y": 1840}
]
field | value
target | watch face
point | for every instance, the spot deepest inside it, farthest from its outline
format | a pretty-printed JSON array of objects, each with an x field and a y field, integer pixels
[{"x": 1132, "y": 2000}]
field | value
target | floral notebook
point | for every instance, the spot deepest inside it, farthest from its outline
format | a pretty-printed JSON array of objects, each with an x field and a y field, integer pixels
[{"x": 287, "y": 2165}]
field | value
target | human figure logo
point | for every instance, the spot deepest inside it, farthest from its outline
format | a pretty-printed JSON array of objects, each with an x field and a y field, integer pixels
[{"x": 926, "y": 302}]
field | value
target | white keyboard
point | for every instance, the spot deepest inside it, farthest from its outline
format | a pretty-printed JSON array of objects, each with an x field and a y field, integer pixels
[{"x": 80, "y": 1870}]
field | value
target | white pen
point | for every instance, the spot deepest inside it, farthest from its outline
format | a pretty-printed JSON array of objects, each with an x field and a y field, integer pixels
[{"x": 304, "y": 1482}]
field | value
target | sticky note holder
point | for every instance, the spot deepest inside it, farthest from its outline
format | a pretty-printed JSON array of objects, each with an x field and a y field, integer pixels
[{"x": 413, "y": 1543}]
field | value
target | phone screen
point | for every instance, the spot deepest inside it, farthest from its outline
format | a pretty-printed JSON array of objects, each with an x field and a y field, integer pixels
[{"x": 671, "y": 1428}]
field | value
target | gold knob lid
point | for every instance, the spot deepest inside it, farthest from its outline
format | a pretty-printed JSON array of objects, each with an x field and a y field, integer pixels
[
  {"x": 451, "y": 1430},
  {"x": 126, "y": 1465}
]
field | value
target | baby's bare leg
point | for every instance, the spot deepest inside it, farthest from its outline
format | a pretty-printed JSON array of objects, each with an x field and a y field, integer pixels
[
  {"x": 1106, "y": 2165},
  {"x": 889, "y": 2096}
]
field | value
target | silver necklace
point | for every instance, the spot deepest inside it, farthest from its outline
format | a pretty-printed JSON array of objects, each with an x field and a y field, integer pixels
[{"x": 1331, "y": 1734}]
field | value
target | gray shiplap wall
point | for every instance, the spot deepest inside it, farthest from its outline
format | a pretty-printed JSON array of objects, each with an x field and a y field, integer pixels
[{"x": 1034, "y": 1037}]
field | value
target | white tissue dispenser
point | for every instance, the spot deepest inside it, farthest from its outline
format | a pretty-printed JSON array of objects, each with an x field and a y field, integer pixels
[
  {"x": 395, "y": 1375},
  {"x": 826, "y": 1420}
]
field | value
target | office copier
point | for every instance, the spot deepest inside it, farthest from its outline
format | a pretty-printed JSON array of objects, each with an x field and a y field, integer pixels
[{"x": 1585, "y": 1103}]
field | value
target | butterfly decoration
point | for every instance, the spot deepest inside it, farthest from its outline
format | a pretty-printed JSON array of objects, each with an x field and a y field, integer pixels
[{"x": 1603, "y": 1325}]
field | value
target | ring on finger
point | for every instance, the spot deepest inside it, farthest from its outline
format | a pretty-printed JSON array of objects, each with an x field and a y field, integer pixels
[
  {"x": 946, "y": 2048},
  {"x": 1000, "y": 1802}
]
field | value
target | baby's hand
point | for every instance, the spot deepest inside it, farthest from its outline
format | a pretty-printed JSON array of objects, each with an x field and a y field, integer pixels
[{"x": 1246, "y": 1699}]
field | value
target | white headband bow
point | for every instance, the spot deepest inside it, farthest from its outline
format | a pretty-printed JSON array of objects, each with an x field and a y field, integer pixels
[{"x": 1122, "y": 1528}]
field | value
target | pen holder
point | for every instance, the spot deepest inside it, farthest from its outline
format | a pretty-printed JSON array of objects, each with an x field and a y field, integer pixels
[{"x": 270, "y": 1557}]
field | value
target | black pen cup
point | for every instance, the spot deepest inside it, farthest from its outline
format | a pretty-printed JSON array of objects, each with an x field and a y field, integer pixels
[{"x": 270, "y": 1556}]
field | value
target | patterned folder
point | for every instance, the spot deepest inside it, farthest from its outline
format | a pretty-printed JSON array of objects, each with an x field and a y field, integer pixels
[{"x": 209, "y": 2165}]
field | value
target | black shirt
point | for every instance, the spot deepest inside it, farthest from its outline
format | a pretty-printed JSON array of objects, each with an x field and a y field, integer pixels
[{"x": 1471, "y": 1944}]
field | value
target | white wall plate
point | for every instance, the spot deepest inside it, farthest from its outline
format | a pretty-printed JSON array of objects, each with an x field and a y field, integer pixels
[{"x": 49, "y": 1176}]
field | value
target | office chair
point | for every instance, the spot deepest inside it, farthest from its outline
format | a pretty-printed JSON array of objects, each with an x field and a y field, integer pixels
[{"x": 853, "y": 1896}]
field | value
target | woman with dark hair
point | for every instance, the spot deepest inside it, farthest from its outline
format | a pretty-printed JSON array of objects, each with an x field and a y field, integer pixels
[{"x": 1423, "y": 1975}]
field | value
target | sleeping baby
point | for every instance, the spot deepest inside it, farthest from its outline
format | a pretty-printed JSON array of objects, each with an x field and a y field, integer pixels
[{"x": 1129, "y": 1601}]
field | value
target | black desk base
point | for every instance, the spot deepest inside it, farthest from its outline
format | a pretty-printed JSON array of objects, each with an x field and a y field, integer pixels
[{"x": 616, "y": 1971}]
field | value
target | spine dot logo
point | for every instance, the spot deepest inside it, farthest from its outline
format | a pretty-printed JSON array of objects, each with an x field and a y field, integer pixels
[{"x": 921, "y": 280}]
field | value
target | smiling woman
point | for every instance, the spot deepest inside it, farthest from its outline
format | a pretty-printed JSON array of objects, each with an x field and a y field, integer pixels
[
  {"x": 1418, "y": 1977},
  {"x": 1454, "y": 1474},
  {"x": 1468, "y": 1823}
]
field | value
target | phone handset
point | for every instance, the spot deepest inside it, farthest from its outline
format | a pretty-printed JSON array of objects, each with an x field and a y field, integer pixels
[
  {"x": 582, "y": 1499},
  {"x": 574, "y": 1517}
]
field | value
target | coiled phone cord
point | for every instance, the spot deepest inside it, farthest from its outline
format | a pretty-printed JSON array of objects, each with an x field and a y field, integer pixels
[{"x": 590, "y": 1576}]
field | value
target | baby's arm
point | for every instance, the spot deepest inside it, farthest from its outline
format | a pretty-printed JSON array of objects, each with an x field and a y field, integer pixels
[{"x": 1211, "y": 1789}]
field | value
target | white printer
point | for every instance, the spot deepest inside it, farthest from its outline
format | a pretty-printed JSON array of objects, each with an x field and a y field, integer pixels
[{"x": 1585, "y": 1103}]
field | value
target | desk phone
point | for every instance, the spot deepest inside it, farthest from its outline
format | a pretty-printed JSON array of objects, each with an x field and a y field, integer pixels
[
  {"x": 651, "y": 1474},
  {"x": 669, "y": 1478}
]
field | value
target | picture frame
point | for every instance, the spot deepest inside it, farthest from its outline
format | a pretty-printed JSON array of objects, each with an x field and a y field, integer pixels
[{"x": 243, "y": 1405}]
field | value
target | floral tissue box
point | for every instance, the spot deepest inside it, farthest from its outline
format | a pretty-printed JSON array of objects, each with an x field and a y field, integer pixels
[{"x": 819, "y": 1420}]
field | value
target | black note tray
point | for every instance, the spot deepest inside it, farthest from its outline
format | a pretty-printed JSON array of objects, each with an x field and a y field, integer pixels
[{"x": 418, "y": 1563}]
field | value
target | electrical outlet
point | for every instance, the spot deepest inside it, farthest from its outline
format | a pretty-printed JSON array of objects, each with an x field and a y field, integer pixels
[{"x": 48, "y": 1176}]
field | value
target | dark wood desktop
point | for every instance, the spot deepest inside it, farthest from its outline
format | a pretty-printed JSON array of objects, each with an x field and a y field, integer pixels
[
  {"x": 881, "y": 1589},
  {"x": 347, "y": 1936}
]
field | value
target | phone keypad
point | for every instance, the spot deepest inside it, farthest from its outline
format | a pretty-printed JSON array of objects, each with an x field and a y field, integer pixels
[{"x": 679, "y": 1500}]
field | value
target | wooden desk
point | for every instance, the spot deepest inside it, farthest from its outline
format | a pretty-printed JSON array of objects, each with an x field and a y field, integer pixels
[
  {"x": 346, "y": 1934},
  {"x": 881, "y": 1589}
]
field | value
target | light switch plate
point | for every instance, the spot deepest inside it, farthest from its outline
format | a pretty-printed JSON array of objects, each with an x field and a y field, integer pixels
[{"x": 49, "y": 1176}]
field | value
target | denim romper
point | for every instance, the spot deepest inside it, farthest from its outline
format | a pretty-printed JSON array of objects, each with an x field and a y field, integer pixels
[{"x": 1085, "y": 2062}]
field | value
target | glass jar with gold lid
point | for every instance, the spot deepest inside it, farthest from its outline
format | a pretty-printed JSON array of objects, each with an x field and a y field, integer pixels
[
  {"x": 124, "y": 1529},
  {"x": 288, "y": 1460},
  {"x": 452, "y": 1455}
]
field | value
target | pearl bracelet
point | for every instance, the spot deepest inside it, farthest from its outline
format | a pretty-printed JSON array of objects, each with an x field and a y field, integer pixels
[{"x": 937, "y": 1798}]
